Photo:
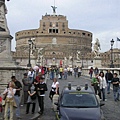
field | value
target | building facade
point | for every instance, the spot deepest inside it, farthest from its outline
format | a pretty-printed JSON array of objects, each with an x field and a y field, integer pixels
[{"x": 58, "y": 43}]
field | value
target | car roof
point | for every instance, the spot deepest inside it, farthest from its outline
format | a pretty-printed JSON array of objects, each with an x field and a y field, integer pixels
[{"x": 75, "y": 89}]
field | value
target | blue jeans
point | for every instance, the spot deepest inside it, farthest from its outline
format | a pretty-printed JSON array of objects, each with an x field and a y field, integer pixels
[
  {"x": 108, "y": 85},
  {"x": 31, "y": 79},
  {"x": 52, "y": 75},
  {"x": 65, "y": 75},
  {"x": 61, "y": 73},
  {"x": 103, "y": 93},
  {"x": 116, "y": 92},
  {"x": 90, "y": 75},
  {"x": 17, "y": 100},
  {"x": 75, "y": 74}
]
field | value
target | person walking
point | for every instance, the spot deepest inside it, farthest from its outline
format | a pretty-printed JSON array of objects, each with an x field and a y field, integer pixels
[
  {"x": 79, "y": 71},
  {"x": 96, "y": 71},
  {"x": 75, "y": 71},
  {"x": 18, "y": 87},
  {"x": 109, "y": 77},
  {"x": 91, "y": 72},
  {"x": 26, "y": 84},
  {"x": 96, "y": 84},
  {"x": 31, "y": 98},
  {"x": 9, "y": 101},
  {"x": 115, "y": 81},
  {"x": 65, "y": 73},
  {"x": 52, "y": 70},
  {"x": 31, "y": 74},
  {"x": 54, "y": 88},
  {"x": 61, "y": 72},
  {"x": 41, "y": 87},
  {"x": 71, "y": 71},
  {"x": 103, "y": 85}
]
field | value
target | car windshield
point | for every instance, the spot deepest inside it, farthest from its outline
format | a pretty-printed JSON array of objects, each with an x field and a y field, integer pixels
[{"x": 79, "y": 100}]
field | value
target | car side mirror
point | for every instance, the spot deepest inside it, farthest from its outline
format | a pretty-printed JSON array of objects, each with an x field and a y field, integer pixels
[{"x": 102, "y": 104}]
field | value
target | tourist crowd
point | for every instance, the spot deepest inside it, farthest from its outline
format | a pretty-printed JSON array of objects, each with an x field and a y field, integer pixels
[
  {"x": 102, "y": 83},
  {"x": 34, "y": 87}
]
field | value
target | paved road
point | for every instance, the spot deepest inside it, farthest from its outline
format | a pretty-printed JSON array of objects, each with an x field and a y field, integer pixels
[{"x": 111, "y": 109}]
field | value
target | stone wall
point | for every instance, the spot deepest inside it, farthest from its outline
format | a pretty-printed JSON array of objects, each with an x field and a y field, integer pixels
[{"x": 7, "y": 72}]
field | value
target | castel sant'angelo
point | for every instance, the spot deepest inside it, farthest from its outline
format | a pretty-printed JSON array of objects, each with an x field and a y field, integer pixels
[{"x": 53, "y": 43}]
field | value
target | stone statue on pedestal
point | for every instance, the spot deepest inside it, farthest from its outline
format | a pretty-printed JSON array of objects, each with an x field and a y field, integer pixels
[
  {"x": 97, "y": 59},
  {"x": 54, "y": 9},
  {"x": 5, "y": 38},
  {"x": 40, "y": 55},
  {"x": 97, "y": 48},
  {"x": 3, "y": 12},
  {"x": 78, "y": 55},
  {"x": 65, "y": 61}
]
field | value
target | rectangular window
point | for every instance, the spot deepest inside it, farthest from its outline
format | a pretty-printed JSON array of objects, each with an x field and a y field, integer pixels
[
  {"x": 56, "y": 24},
  {"x": 50, "y": 24},
  {"x": 56, "y": 30},
  {"x": 43, "y": 24},
  {"x": 53, "y": 30},
  {"x": 50, "y": 30}
]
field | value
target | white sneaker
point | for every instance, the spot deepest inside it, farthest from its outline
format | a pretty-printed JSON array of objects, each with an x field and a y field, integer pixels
[{"x": 105, "y": 99}]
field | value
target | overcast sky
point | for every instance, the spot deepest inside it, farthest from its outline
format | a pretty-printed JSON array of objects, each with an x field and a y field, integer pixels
[{"x": 101, "y": 17}]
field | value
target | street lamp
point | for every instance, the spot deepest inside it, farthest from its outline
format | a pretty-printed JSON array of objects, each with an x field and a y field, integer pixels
[
  {"x": 82, "y": 62},
  {"x": 112, "y": 65},
  {"x": 29, "y": 63}
]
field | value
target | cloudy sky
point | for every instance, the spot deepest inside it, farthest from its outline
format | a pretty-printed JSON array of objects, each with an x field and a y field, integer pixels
[{"x": 101, "y": 17}]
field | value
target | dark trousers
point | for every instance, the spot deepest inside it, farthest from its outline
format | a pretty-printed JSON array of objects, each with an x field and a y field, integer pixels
[
  {"x": 79, "y": 74},
  {"x": 25, "y": 96},
  {"x": 28, "y": 107},
  {"x": 41, "y": 103},
  {"x": 61, "y": 75},
  {"x": 51, "y": 94},
  {"x": 70, "y": 73},
  {"x": 116, "y": 92},
  {"x": 97, "y": 90},
  {"x": 103, "y": 93}
]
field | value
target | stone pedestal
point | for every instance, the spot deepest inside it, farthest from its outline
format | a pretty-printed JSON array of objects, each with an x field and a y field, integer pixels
[
  {"x": 97, "y": 62},
  {"x": 5, "y": 50}
]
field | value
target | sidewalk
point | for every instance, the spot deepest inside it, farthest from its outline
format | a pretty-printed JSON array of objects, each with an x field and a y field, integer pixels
[{"x": 24, "y": 116}]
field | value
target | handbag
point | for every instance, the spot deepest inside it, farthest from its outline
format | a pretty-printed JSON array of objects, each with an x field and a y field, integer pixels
[
  {"x": 59, "y": 76},
  {"x": 33, "y": 97},
  {"x": 4, "y": 96},
  {"x": 3, "y": 102}
]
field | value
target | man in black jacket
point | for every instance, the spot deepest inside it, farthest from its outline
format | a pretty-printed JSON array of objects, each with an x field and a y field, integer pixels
[
  {"x": 41, "y": 88},
  {"x": 115, "y": 81},
  {"x": 109, "y": 77}
]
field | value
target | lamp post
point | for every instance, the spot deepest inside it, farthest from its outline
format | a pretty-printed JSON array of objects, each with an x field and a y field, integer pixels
[
  {"x": 112, "y": 65},
  {"x": 53, "y": 59},
  {"x": 82, "y": 62},
  {"x": 29, "y": 63}
]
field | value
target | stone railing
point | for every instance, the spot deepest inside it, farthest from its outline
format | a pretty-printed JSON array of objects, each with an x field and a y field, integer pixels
[
  {"x": 7, "y": 72},
  {"x": 85, "y": 71}
]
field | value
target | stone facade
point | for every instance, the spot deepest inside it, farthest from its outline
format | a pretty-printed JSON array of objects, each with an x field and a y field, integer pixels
[
  {"x": 105, "y": 57},
  {"x": 53, "y": 36},
  {"x": 7, "y": 72}
]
